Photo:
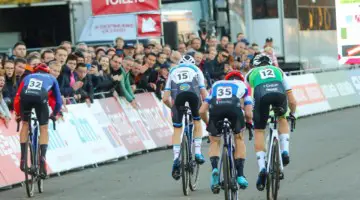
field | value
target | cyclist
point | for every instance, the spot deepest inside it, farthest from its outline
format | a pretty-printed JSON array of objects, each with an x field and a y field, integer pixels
[
  {"x": 33, "y": 92},
  {"x": 226, "y": 100},
  {"x": 185, "y": 84},
  {"x": 271, "y": 87}
]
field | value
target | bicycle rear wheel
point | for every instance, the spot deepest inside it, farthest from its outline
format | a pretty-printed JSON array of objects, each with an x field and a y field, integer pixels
[
  {"x": 29, "y": 174},
  {"x": 273, "y": 178},
  {"x": 226, "y": 174},
  {"x": 194, "y": 170},
  {"x": 184, "y": 165}
]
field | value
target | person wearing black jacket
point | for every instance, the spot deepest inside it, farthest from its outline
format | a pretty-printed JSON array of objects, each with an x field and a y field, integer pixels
[
  {"x": 67, "y": 83},
  {"x": 86, "y": 92},
  {"x": 148, "y": 75},
  {"x": 216, "y": 67},
  {"x": 116, "y": 73}
]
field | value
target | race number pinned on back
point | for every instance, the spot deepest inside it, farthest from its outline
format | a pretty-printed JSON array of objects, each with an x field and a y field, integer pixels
[
  {"x": 183, "y": 76},
  {"x": 223, "y": 92},
  {"x": 35, "y": 84},
  {"x": 267, "y": 73}
]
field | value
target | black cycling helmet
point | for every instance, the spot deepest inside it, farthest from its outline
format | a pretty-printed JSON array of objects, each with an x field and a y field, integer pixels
[{"x": 261, "y": 60}]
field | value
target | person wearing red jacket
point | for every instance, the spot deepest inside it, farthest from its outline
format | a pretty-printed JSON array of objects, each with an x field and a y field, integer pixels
[{"x": 33, "y": 93}]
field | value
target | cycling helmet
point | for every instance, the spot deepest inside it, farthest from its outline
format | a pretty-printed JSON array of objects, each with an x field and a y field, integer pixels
[
  {"x": 41, "y": 68},
  {"x": 261, "y": 59},
  {"x": 234, "y": 75},
  {"x": 187, "y": 59}
]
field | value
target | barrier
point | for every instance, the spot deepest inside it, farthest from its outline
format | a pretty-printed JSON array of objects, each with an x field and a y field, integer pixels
[{"x": 111, "y": 128}]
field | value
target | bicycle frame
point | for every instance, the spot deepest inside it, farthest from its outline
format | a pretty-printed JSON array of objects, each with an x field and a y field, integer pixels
[
  {"x": 274, "y": 134},
  {"x": 189, "y": 133},
  {"x": 228, "y": 143}
]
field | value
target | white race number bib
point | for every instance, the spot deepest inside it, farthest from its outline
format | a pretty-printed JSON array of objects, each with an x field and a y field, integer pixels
[
  {"x": 223, "y": 92},
  {"x": 35, "y": 84},
  {"x": 267, "y": 73},
  {"x": 183, "y": 76}
]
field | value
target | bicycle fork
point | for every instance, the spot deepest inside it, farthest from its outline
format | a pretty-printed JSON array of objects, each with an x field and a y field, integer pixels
[{"x": 272, "y": 137}]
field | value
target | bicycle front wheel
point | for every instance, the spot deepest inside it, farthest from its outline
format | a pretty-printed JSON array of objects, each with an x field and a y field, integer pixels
[
  {"x": 226, "y": 174},
  {"x": 184, "y": 165},
  {"x": 30, "y": 178},
  {"x": 194, "y": 170},
  {"x": 273, "y": 178}
]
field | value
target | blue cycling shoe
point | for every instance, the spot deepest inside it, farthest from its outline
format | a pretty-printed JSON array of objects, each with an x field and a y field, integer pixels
[
  {"x": 199, "y": 158},
  {"x": 176, "y": 169},
  {"x": 243, "y": 183},
  {"x": 285, "y": 158},
  {"x": 260, "y": 183},
  {"x": 215, "y": 186}
]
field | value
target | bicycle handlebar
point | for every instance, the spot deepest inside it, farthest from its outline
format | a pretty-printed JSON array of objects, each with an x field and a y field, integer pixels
[
  {"x": 251, "y": 135},
  {"x": 292, "y": 124}
]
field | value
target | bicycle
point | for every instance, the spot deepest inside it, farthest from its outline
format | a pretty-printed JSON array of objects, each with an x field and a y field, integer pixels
[
  {"x": 189, "y": 167},
  {"x": 274, "y": 165},
  {"x": 32, "y": 144}
]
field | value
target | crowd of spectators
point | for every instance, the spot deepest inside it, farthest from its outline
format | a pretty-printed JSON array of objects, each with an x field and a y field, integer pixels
[{"x": 87, "y": 72}]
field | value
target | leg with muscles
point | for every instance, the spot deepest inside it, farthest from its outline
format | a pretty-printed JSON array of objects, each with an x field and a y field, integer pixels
[
  {"x": 214, "y": 152},
  {"x": 260, "y": 156},
  {"x": 198, "y": 140},
  {"x": 176, "y": 150},
  {"x": 284, "y": 140},
  {"x": 44, "y": 140},
  {"x": 24, "y": 134},
  {"x": 240, "y": 155}
]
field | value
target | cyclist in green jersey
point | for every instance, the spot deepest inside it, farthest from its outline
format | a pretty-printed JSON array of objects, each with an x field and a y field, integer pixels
[{"x": 271, "y": 87}]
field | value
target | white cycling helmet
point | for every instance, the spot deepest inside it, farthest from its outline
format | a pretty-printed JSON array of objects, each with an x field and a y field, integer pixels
[
  {"x": 262, "y": 59},
  {"x": 187, "y": 59}
]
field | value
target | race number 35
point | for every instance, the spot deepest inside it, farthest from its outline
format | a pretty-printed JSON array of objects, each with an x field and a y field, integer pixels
[
  {"x": 223, "y": 92},
  {"x": 35, "y": 84},
  {"x": 183, "y": 77},
  {"x": 267, "y": 73}
]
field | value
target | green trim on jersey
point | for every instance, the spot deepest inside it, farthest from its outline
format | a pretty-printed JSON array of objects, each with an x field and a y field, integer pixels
[{"x": 264, "y": 74}]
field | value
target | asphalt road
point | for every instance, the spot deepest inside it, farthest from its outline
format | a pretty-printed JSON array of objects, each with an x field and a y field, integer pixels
[{"x": 325, "y": 153}]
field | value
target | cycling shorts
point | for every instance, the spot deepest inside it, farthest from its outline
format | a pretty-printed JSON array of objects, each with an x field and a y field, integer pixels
[
  {"x": 219, "y": 111},
  {"x": 180, "y": 100},
  {"x": 266, "y": 95},
  {"x": 34, "y": 100}
]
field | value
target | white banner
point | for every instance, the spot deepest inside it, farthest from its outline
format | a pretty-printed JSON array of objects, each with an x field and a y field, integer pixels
[{"x": 107, "y": 28}]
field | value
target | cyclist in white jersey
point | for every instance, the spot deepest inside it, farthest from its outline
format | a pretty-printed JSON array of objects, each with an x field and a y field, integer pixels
[{"x": 185, "y": 84}]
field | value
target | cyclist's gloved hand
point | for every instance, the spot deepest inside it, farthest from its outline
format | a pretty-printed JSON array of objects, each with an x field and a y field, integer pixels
[
  {"x": 292, "y": 116},
  {"x": 52, "y": 117},
  {"x": 18, "y": 118},
  {"x": 249, "y": 125}
]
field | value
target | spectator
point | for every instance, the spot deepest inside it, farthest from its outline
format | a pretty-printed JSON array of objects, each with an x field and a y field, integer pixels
[
  {"x": 111, "y": 52},
  {"x": 223, "y": 42},
  {"x": 34, "y": 54},
  {"x": 140, "y": 58},
  {"x": 216, "y": 67},
  {"x": 195, "y": 46},
  {"x": 19, "y": 68},
  {"x": 47, "y": 56},
  {"x": 91, "y": 51},
  {"x": 148, "y": 75},
  {"x": 33, "y": 61},
  {"x": 182, "y": 48},
  {"x": 116, "y": 73},
  {"x": 104, "y": 80},
  {"x": 270, "y": 52},
  {"x": 82, "y": 46},
  {"x": 198, "y": 59},
  {"x": 255, "y": 47},
  {"x": 67, "y": 83},
  {"x": 10, "y": 83},
  {"x": 134, "y": 73},
  {"x": 67, "y": 45},
  {"x": 167, "y": 50},
  {"x": 55, "y": 68},
  {"x": 126, "y": 90},
  {"x": 212, "y": 42},
  {"x": 158, "y": 48},
  {"x": 19, "y": 50},
  {"x": 2, "y": 60},
  {"x": 230, "y": 48},
  {"x": 175, "y": 58},
  {"x": 161, "y": 59},
  {"x": 129, "y": 49},
  {"x": 161, "y": 81},
  {"x": 148, "y": 48},
  {"x": 4, "y": 110},
  {"x": 88, "y": 58},
  {"x": 61, "y": 55},
  {"x": 119, "y": 45},
  {"x": 84, "y": 93},
  {"x": 239, "y": 38},
  {"x": 139, "y": 48},
  {"x": 100, "y": 52},
  {"x": 212, "y": 55},
  {"x": 80, "y": 58}
]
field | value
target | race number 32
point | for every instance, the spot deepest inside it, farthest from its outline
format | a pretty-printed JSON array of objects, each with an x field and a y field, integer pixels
[
  {"x": 35, "y": 84},
  {"x": 223, "y": 92},
  {"x": 267, "y": 73},
  {"x": 183, "y": 77}
]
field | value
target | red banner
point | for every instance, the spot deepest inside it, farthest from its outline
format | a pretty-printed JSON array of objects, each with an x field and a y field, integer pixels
[
  {"x": 122, "y": 126},
  {"x": 10, "y": 154},
  {"x": 154, "y": 121},
  {"x": 106, "y": 7},
  {"x": 149, "y": 25}
]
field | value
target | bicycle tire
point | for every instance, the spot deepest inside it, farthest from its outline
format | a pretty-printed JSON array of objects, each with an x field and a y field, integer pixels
[
  {"x": 273, "y": 177},
  {"x": 226, "y": 174},
  {"x": 40, "y": 181},
  {"x": 184, "y": 165},
  {"x": 29, "y": 182},
  {"x": 194, "y": 171}
]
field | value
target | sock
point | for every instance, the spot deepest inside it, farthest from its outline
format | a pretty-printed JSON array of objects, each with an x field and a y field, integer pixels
[
  {"x": 22, "y": 147},
  {"x": 284, "y": 142},
  {"x": 176, "y": 151},
  {"x": 214, "y": 161},
  {"x": 239, "y": 164},
  {"x": 261, "y": 160},
  {"x": 197, "y": 142},
  {"x": 43, "y": 148}
]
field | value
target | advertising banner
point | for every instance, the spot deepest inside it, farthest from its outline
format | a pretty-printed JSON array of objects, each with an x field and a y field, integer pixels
[
  {"x": 308, "y": 95},
  {"x": 338, "y": 89},
  {"x": 122, "y": 132},
  {"x": 354, "y": 78},
  {"x": 107, "y": 7},
  {"x": 107, "y": 28},
  {"x": 154, "y": 122},
  {"x": 348, "y": 31},
  {"x": 149, "y": 25}
]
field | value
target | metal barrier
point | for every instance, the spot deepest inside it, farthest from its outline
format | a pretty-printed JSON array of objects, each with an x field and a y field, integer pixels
[
  {"x": 102, "y": 95},
  {"x": 319, "y": 70}
]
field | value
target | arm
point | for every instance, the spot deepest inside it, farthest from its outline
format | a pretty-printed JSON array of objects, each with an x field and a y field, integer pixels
[
  {"x": 57, "y": 95},
  {"x": 290, "y": 95},
  {"x": 4, "y": 109},
  {"x": 203, "y": 91},
  {"x": 124, "y": 88},
  {"x": 167, "y": 93},
  {"x": 17, "y": 99}
]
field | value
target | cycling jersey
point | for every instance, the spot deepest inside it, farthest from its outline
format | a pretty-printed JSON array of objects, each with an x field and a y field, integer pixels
[
  {"x": 41, "y": 85},
  {"x": 267, "y": 74}
]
